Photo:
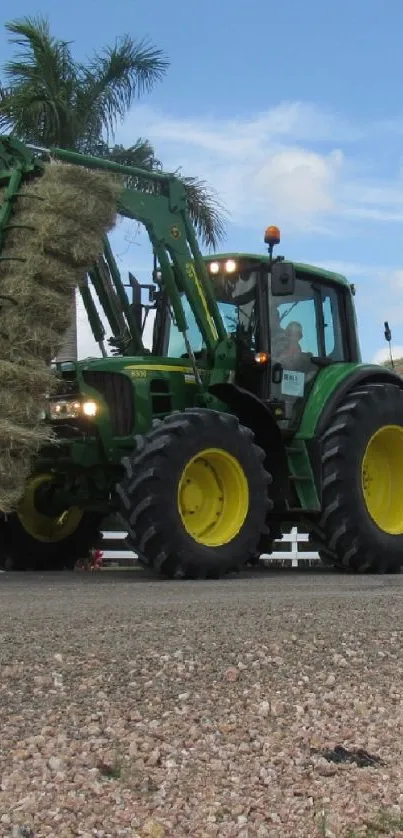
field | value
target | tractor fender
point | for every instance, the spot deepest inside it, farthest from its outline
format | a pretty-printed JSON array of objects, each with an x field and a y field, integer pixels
[
  {"x": 256, "y": 415},
  {"x": 359, "y": 376}
]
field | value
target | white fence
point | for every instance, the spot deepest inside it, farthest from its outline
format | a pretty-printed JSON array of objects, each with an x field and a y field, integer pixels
[{"x": 114, "y": 550}]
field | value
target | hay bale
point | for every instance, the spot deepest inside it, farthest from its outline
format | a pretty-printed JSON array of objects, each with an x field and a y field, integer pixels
[
  {"x": 63, "y": 216},
  {"x": 23, "y": 388},
  {"x": 30, "y": 340},
  {"x": 18, "y": 448},
  {"x": 34, "y": 376}
]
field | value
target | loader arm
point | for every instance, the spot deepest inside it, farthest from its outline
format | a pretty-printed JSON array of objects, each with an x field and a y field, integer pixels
[
  {"x": 159, "y": 203},
  {"x": 108, "y": 286}
]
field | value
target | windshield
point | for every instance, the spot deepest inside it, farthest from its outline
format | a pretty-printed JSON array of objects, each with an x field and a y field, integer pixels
[
  {"x": 236, "y": 298},
  {"x": 307, "y": 324},
  {"x": 304, "y": 327}
]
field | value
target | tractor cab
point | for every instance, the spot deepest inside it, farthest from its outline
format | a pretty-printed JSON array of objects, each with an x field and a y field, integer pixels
[{"x": 288, "y": 321}]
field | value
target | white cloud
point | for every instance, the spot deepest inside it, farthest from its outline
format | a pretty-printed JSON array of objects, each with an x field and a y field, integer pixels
[
  {"x": 373, "y": 201},
  {"x": 301, "y": 121},
  {"x": 387, "y": 296},
  {"x": 348, "y": 269},
  {"x": 261, "y": 167},
  {"x": 383, "y": 354},
  {"x": 293, "y": 163},
  {"x": 298, "y": 184},
  {"x": 395, "y": 280}
]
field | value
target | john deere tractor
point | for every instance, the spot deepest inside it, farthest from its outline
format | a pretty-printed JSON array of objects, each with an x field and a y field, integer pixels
[{"x": 251, "y": 412}]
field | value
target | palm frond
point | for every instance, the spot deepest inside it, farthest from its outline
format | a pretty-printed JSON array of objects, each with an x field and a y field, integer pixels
[
  {"x": 208, "y": 214},
  {"x": 138, "y": 65},
  {"x": 117, "y": 76},
  {"x": 51, "y": 99},
  {"x": 140, "y": 155},
  {"x": 205, "y": 209},
  {"x": 41, "y": 81},
  {"x": 6, "y": 121},
  {"x": 43, "y": 58}
]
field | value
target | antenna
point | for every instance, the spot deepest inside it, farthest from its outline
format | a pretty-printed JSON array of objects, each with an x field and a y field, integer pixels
[{"x": 388, "y": 338}]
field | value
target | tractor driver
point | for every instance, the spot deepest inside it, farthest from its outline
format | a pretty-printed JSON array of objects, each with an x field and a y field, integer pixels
[
  {"x": 294, "y": 335},
  {"x": 285, "y": 343}
]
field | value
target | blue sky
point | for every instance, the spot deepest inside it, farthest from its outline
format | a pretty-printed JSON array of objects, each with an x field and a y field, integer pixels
[{"x": 292, "y": 111}]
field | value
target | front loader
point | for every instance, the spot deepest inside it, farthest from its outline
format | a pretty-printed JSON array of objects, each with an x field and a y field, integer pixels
[{"x": 252, "y": 411}]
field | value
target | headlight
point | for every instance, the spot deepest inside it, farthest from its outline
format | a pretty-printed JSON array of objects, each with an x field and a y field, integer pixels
[
  {"x": 90, "y": 408},
  {"x": 71, "y": 409},
  {"x": 65, "y": 409},
  {"x": 214, "y": 267},
  {"x": 228, "y": 267}
]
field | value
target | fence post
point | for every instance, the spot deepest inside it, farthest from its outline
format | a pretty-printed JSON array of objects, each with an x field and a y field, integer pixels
[
  {"x": 294, "y": 547},
  {"x": 114, "y": 549}
]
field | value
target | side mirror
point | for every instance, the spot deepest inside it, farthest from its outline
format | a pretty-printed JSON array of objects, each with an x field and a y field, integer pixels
[{"x": 282, "y": 279}]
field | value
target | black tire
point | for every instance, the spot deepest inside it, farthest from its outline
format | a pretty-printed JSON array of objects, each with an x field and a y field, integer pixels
[
  {"x": 266, "y": 544},
  {"x": 20, "y": 551},
  {"x": 149, "y": 494},
  {"x": 327, "y": 557},
  {"x": 348, "y": 535}
]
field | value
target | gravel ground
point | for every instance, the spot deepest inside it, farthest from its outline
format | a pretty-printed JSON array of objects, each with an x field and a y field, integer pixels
[{"x": 132, "y": 707}]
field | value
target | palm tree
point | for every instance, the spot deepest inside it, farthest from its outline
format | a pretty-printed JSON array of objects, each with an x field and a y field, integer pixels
[{"x": 48, "y": 98}]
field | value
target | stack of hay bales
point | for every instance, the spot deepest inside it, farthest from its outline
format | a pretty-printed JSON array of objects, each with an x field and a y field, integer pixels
[{"x": 64, "y": 214}]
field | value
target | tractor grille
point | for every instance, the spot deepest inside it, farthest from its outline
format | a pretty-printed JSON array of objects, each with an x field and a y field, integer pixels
[{"x": 117, "y": 390}]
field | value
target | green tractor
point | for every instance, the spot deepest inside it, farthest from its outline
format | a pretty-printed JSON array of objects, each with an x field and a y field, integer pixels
[{"x": 252, "y": 412}]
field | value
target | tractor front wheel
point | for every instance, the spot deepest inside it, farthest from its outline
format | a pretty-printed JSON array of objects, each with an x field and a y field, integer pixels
[
  {"x": 361, "y": 526},
  {"x": 31, "y": 540},
  {"x": 195, "y": 499}
]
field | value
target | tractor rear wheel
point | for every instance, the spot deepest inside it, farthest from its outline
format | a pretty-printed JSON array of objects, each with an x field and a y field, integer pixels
[
  {"x": 361, "y": 526},
  {"x": 194, "y": 499},
  {"x": 31, "y": 540}
]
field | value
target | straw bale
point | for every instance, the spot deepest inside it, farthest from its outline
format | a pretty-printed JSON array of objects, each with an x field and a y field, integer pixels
[
  {"x": 36, "y": 319},
  {"x": 33, "y": 375},
  {"x": 60, "y": 220},
  {"x": 21, "y": 407},
  {"x": 18, "y": 446},
  {"x": 28, "y": 341},
  {"x": 22, "y": 439},
  {"x": 14, "y": 473},
  {"x": 23, "y": 389},
  {"x": 62, "y": 217}
]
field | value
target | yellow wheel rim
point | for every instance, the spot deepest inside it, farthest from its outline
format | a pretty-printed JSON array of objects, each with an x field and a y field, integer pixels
[
  {"x": 382, "y": 478},
  {"x": 43, "y": 527},
  {"x": 213, "y": 497}
]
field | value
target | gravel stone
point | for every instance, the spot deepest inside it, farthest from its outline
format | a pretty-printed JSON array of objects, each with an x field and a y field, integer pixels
[{"x": 190, "y": 709}]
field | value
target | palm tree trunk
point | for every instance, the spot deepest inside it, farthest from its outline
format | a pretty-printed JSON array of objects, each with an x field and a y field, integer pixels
[{"x": 69, "y": 350}]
